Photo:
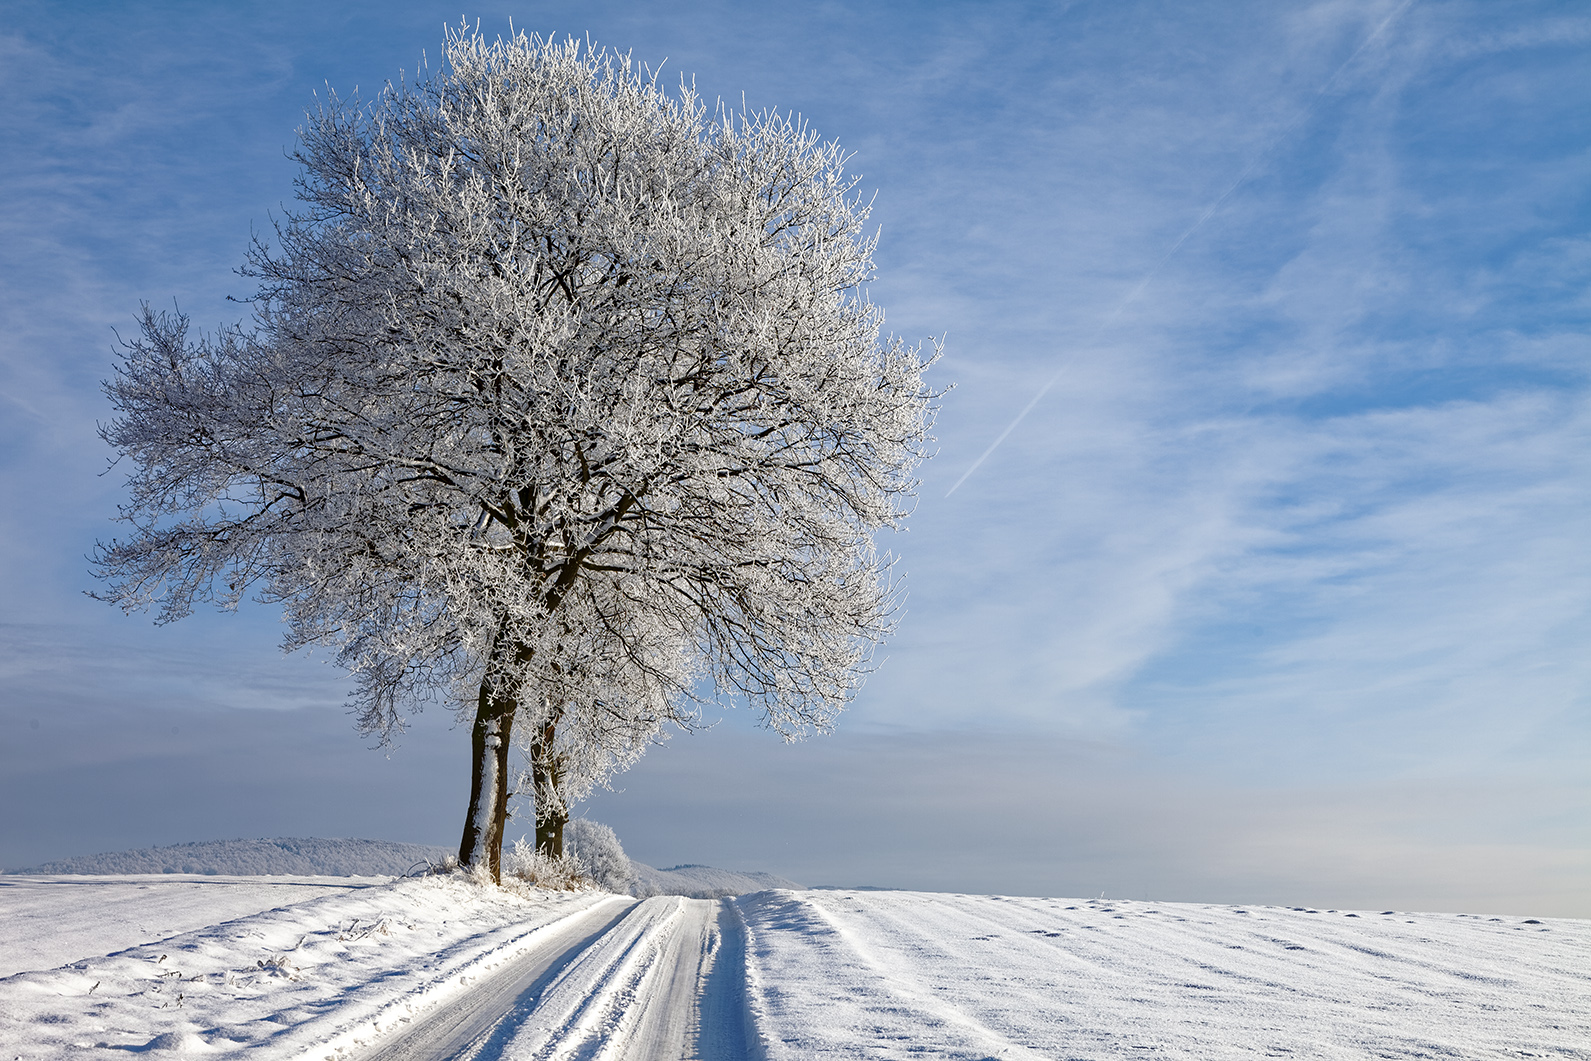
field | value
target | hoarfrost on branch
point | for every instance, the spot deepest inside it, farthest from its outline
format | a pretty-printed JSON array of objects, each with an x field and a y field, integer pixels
[{"x": 562, "y": 400}]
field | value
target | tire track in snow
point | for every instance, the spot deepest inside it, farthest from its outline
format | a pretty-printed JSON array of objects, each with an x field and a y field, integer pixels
[
  {"x": 660, "y": 980},
  {"x": 695, "y": 1004},
  {"x": 661, "y": 986},
  {"x": 667, "y": 1001},
  {"x": 724, "y": 1028},
  {"x": 464, "y": 1026}
]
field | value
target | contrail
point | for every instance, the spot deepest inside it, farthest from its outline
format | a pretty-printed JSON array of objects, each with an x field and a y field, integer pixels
[{"x": 1209, "y": 212}]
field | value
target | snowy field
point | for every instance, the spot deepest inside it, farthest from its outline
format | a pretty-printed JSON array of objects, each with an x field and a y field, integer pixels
[
  {"x": 875, "y": 974},
  {"x": 50, "y": 921},
  {"x": 349, "y": 968}
]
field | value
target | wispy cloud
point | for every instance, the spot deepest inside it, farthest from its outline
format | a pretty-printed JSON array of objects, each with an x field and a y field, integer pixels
[
  {"x": 1354, "y": 400},
  {"x": 1138, "y": 289},
  {"x": 1311, "y": 505}
]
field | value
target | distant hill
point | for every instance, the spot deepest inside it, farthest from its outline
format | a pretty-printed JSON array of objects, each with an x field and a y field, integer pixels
[
  {"x": 703, "y": 882},
  {"x": 344, "y": 857},
  {"x": 283, "y": 856}
]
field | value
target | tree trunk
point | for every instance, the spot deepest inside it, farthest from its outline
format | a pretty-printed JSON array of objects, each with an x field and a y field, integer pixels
[
  {"x": 546, "y": 773},
  {"x": 489, "y": 742}
]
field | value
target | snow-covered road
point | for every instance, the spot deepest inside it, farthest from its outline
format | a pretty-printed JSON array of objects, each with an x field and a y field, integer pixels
[
  {"x": 495, "y": 1005},
  {"x": 440, "y": 968},
  {"x": 633, "y": 983}
]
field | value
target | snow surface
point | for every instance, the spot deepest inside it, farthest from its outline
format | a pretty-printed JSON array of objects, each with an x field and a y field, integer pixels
[
  {"x": 328, "y": 972},
  {"x": 53, "y": 921},
  {"x": 815, "y": 974},
  {"x": 904, "y": 974}
]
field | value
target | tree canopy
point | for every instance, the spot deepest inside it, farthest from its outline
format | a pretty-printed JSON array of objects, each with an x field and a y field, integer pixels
[{"x": 562, "y": 401}]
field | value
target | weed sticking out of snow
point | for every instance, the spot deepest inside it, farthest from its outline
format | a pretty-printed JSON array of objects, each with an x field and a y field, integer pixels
[
  {"x": 524, "y": 865},
  {"x": 524, "y": 872}
]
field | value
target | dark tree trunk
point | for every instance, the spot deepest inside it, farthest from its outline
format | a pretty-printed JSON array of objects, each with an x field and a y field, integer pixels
[
  {"x": 489, "y": 743},
  {"x": 546, "y": 773}
]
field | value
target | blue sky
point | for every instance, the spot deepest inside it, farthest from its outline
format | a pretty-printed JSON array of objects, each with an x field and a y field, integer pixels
[{"x": 1280, "y": 593}]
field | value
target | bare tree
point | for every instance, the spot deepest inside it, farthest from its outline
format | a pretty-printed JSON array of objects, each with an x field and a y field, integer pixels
[{"x": 562, "y": 401}]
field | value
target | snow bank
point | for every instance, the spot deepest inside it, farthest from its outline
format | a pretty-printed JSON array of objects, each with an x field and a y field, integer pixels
[{"x": 286, "y": 856}]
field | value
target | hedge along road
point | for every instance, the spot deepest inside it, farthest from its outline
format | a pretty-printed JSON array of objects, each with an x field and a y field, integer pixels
[{"x": 659, "y": 979}]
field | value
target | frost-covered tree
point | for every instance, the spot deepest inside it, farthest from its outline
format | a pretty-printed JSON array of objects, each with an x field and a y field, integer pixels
[
  {"x": 601, "y": 856},
  {"x": 562, "y": 400}
]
